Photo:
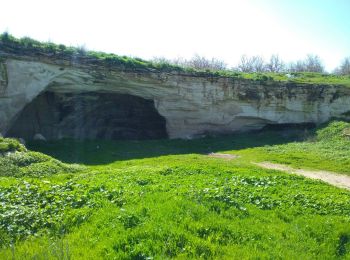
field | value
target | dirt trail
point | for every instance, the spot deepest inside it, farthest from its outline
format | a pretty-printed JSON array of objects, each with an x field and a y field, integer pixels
[
  {"x": 336, "y": 179},
  {"x": 339, "y": 180},
  {"x": 223, "y": 156}
]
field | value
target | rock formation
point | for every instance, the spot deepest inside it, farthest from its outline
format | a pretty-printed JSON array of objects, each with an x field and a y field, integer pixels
[{"x": 59, "y": 99}]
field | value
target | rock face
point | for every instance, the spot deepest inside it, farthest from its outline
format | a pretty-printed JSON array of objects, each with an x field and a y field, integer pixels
[
  {"x": 86, "y": 101},
  {"x": 3, "y": 77}
]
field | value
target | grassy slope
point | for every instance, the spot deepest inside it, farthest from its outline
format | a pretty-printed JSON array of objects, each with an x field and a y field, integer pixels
[
  {"x": 31, "y": 47},
  {"x": 16, "y": 161},
  {"x": 327, "y": 149},
  {"x": 167, "y": 199}
]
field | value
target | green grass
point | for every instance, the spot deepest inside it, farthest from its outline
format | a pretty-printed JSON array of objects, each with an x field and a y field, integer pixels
[
  {"x": 104, "y": 152},
  {"x": 168, "y": 199},
  {"x": 75, "y": 55},
  {"x": 18, "y": 162},
  {"x": 327, "y": 149}
]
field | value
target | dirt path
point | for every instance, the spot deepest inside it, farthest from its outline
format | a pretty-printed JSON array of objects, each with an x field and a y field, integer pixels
[
  {"x": 336, "y": 179},
  {"x": 223, "y": 156},
  {"x": 339, "y": 180}
]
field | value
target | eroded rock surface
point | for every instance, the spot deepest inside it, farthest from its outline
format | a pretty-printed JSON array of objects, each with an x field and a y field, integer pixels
[
  {"x": 191, "y": 105},
  {"x": 3, "y": 77}
]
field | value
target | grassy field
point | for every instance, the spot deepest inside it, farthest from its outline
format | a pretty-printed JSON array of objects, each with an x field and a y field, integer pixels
[{"x": 168, "y": 199}]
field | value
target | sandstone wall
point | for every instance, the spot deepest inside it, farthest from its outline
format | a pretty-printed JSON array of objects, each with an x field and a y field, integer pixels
[{"x": 191, "y": 105}]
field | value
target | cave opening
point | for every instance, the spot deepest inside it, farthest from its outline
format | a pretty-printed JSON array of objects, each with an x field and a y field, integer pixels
[{"x": 90, "y": 115}]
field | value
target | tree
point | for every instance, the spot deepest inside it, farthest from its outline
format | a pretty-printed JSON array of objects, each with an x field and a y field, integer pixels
[
  {"x": 202, "y": 63},
  {"x": 298, "y": 66},
  {"x": 312, "y": 63},
  {"x": 275, "y": 64},
  {"x": 81, "y": 50},
  {"x": 160, "y": 59},
  {"x": 245, "y": 64},
  {"x": 251, "y": 64},
  {"x": 196, "y": 62},
  {"x": 344, "y": 68},
  {"x": 179, "y": 61},
  {"x": 5, "y": 36}
]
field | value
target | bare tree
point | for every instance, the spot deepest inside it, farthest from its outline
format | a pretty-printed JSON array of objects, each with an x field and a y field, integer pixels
[
  {"x": 218, "y": 64},
  {"x": 344, "y": 68},
  {"x": 245, "y": 64},
  {"x": 200, "y": 62},
  {"x": 180, "y": 61},
  {"x": 251, "y": 64},
  {"x": 312, "y": 63},
  {"x": 298, "y": 66},
  {"x": 160, "y": 60},
  {"x": 275, "y": 64},
  {"x": 196, "y": 62},
  {"x": 258, "y": 64},
  {"x": 81, "y": 49}
]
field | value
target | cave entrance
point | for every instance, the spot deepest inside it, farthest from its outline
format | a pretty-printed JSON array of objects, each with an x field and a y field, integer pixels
[{"x": 91, "y": 115}]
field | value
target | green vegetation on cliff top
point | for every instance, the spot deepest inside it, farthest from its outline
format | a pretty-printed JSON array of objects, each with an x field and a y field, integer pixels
[
  {"x": 167, "y": 199},
  {"x": 75, "y": 55}
]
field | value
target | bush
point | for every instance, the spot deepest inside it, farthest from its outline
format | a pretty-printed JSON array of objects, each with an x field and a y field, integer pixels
[
  {"x": 34, "y": 164},
  {"x": 22, "y": 159},
  {"x": 10, "y": 145}
]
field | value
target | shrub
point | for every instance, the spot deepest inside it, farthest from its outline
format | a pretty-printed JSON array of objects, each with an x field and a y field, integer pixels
[
  {"x": 33, "y": 164},
  {"x": 23, "y": 159},
  {"x": 10, "y": 145}
]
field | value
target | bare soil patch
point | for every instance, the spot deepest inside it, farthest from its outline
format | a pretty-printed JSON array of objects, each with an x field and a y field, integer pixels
[
  {"x": 223, "y": 156},
  {"x": 336, "y": 179}
]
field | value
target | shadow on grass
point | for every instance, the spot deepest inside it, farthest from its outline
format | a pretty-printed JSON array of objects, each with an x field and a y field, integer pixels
[{"x": 98, "y": 152}]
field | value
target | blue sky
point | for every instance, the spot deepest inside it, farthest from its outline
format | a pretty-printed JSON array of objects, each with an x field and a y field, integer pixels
[{"x": 225, "y": 29}]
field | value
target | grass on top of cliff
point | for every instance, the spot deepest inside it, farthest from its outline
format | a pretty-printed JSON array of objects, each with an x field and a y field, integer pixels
[
  {"x": 31, "y": 47},
  {"x": 168, "y": 199}
]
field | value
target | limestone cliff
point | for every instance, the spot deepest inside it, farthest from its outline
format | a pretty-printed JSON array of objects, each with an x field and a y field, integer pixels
[{"x": 184, "y": 104}]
